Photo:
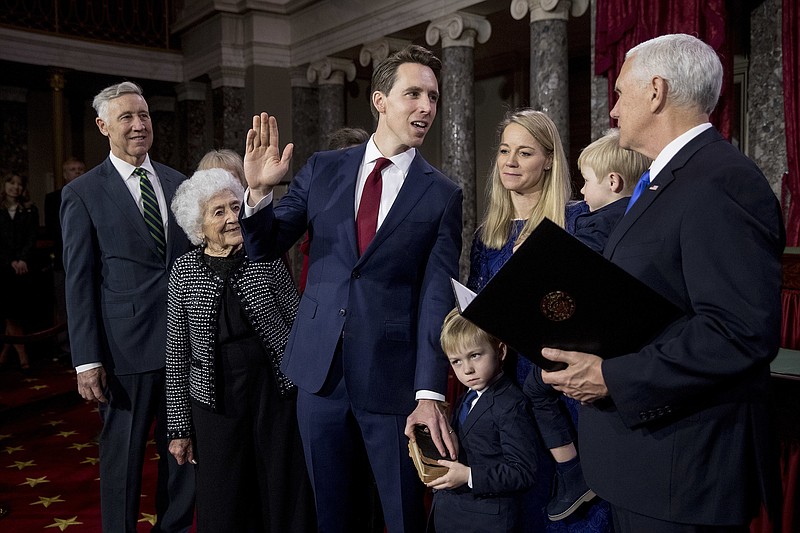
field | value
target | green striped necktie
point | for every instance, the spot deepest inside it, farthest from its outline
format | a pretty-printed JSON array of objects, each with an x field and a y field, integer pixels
[{"x": 152, "y": 214}]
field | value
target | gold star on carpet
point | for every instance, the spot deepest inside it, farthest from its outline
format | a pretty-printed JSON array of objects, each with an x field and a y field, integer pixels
[
  {"x": 43, "y": 500},
  {"x": 22, "y": 464},
  {"x": 91, "y": 460},
  {"x": 79, "y": 446},
  {"x": 33, "y": 481},
  {"x": 11, "y": 449},
  {"x": 4, "y": 436},
  {"x": 147, "y": 517},
  {"x": 54, "y": 423},
  {"x": 156, "y": 457},
  {"x": 66, "y": 433},
  {"x": 151, "y": 442},
  {"x": 63, "y": 524},
  {"x": 30, "y": 380},
  {"x": 39, "y": 387}
]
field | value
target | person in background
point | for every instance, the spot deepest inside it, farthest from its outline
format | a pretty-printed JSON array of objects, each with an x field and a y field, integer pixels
[
  {"x": 364, "y": 349},
  {"x": 225, "y": 159},
  {"x": 230, "y": 410},
  {"x": 610, "y": 173},
  {"x": 71, "y": 169},
  {"x": 120, "y": 241},
  {"x": 19, "y": 223},
  {"x": 482, "y": 491},
  {"x": 675, "y": 435},
  {"x": 528, "y": 182}
]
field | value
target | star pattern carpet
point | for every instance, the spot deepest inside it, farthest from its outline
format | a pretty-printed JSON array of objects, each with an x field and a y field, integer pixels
[{"x": 49, "y": 471}]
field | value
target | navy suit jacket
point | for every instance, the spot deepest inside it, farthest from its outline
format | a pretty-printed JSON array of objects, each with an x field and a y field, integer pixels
[
  {"x": 498, "y": 442},
  {"x": 116, "y": 284},
  {"x": 386, "y": 306},
  {"x": 683, "y": 436}
]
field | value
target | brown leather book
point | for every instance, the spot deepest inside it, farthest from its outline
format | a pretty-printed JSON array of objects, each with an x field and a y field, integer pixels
[{"x": 424, "y": 454}]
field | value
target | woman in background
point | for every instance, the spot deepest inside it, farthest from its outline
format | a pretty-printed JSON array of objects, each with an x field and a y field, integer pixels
[{"x": 19, "y": 222}]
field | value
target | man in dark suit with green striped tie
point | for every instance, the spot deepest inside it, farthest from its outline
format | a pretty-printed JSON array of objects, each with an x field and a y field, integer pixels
[{"x": 120, "y": 240}]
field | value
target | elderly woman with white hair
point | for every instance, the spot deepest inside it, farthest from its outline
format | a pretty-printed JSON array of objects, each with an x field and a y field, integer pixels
[{"x": 230, "y": 410}]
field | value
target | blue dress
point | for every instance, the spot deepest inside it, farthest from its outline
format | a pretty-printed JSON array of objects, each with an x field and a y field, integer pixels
[{"x": 593, "y": 518}]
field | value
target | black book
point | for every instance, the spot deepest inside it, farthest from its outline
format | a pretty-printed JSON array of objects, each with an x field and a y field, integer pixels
[{"x": 555, "y": 291}]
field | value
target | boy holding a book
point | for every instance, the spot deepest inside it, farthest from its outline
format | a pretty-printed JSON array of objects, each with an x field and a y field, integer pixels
[{"x": 497, "y": 439}]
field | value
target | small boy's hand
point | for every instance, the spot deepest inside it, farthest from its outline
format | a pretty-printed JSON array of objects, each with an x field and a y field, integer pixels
[{"x": 457, "y": 475}]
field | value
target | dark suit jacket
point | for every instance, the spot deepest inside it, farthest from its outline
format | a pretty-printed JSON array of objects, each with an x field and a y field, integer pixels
[
  {"x": 594, "y": 227},
  {"x": 386, "y": 306},
  {"x": 116, "y": 284},
  {"x": 684, "y": 437},
  {"x": 498, "y": 442}
]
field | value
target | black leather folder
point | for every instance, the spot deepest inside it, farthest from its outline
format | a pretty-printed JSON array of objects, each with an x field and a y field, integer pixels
[{"x": 555, "y": 291}]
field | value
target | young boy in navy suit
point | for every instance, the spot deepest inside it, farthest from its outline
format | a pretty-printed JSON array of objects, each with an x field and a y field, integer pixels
[
  {"x": 610, "y": 174},
  {"x": 497, "y": 458}
]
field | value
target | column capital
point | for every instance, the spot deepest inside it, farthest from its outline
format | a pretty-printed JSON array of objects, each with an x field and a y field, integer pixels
[
  {"x": 377, "y": 51},
  {"x": 548, "y": 9},
  {"x": 226, "y": 76},
  {"x": 190, "y": 90},
  {"x": 459, "y": 29},
  {"x": 331, "y": 71},
  {"x": 298, "y": 77}
]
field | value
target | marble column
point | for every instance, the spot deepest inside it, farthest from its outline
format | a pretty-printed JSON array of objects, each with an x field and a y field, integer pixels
[
  {"x": 767, "y": 127},
  {"x": 305, "y": 117},
  {"x": 549, "y": 56},
  {"x": 227, "y": 96},
  {"x": 191, "y": 125},
  {"x": 458, "y": 33},
  {"x": 599, "y": 89},
  {"x": 14, "y": 128},
  {"x": 57, "y": 84},
  {"x": 330, "y": 74}
]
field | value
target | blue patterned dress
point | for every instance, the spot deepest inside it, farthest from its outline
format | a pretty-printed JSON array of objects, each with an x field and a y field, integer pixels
[{"x": 594, "y": 518}]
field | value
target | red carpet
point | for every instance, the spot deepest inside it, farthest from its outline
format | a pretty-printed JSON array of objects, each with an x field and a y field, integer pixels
[{"x": 48, "y": 455}]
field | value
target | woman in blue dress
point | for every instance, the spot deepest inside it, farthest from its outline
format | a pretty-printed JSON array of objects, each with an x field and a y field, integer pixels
[{"x": 530, "y": 181}]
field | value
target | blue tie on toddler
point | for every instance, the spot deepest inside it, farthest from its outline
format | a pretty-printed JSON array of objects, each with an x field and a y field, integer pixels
[
  {"x": 644, "y": 181},
  {"x": 465, "y": 406}
]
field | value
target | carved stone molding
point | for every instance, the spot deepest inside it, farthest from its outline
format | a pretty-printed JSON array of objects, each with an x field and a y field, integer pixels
[
  {"x": 459, "y": 29},
  {"x": 377, "y": 51},
  {"x": 190, "y": 90},
  {"x": 548, "y": 9},
  {"x": 331, "y": 71},
  {"x": 298, "y": 77}
]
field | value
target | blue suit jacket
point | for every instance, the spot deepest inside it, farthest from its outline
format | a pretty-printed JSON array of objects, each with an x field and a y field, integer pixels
[
  {"x": 116, "y": 285},
  {"x": 386, "y": 306},
  {"x": 498, "y": 442},
  {"x": 683, "y": 437}
]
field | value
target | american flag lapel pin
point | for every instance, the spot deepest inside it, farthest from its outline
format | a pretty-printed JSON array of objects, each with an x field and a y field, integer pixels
[{"x": 654, "y": 187}]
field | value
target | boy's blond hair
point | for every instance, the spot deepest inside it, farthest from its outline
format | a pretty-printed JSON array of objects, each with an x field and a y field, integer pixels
[
  {"x": 458, "y": 333},
  {"x": 605, "y": 156}
]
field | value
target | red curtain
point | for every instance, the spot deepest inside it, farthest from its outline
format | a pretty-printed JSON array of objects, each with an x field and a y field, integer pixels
[
  {"x": 622, "y": 24},
  {"x": 791, "y": 105}
]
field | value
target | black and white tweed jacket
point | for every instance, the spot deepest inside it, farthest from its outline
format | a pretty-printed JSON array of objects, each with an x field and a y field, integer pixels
[{"x": 269, "y": 299}]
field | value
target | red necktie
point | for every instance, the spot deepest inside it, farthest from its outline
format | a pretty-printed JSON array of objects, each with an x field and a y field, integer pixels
[{"x": 367, "y": 218}]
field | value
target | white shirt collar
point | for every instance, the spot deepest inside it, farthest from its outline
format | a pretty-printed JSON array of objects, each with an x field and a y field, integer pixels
[
  {"x": 402, "y": 160},
  {"x": 125, "y": 169},
  {"x": 674, "y": 147}
]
